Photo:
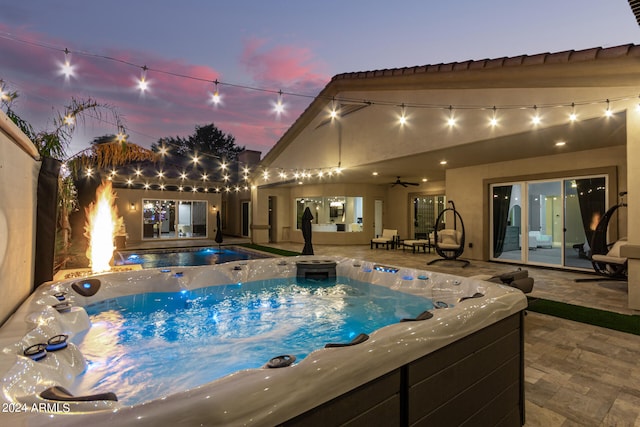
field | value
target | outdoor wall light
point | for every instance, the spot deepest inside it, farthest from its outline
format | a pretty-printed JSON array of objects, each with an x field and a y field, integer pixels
[
  {"x": 132, "y": 206},
  {"x": 214, "y": 208}
]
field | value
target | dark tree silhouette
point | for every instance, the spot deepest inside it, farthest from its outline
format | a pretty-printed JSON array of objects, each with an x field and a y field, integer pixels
[{"x": 207, "y": 140}]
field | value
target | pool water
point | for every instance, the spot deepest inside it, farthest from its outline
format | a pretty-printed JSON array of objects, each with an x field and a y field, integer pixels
[
  {"x": 146, "y": 346},
  {"x": 203, "y": 256}
]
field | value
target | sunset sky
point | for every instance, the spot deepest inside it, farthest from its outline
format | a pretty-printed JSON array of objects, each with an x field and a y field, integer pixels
[{"x": 257, "y": 48}]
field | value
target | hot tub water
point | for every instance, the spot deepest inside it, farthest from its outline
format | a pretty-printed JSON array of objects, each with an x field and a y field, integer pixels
[{"x": 207, "y": 333}]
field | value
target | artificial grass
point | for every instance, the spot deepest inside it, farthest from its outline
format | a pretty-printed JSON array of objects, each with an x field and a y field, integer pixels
[
  {"x": 592, "y": 316},
  {"x": 269, "y": 249}
]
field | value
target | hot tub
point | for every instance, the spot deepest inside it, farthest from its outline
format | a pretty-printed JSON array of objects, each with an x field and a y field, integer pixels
[{"x": 460, "y": 361}]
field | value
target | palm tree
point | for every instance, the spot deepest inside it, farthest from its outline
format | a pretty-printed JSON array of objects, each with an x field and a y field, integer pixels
[{"x": 53, "y": 144}]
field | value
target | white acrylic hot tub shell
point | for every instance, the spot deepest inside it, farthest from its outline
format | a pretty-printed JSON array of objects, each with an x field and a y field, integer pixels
[{"x": 248, "y": 397}]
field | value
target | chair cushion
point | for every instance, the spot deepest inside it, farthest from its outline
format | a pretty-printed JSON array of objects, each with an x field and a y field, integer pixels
[
  {"x": 381, "y": 240},
  {"x": 388, "y": 233},
  {"x": 449, "y": 237}
]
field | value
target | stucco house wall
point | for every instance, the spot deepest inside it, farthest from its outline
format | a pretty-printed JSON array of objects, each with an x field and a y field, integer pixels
[{"x": 18, "y": 190}]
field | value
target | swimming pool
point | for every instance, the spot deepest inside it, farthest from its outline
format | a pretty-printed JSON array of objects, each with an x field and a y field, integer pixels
[
  {"x": 185, "y": 256},
  {"x": 461, "y": 360}
]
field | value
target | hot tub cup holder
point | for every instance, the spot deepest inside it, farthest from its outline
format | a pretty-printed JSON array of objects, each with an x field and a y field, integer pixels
[
  {"x": 281, "y": 361},
  {"x": 36, "y": 352},
  {"x": 39, "y": 351},
  {"x": 63, "y": 307},
  {"x": 440, "y": 304},
  {"x": 57, "y": 342},
  {"x": 60, "y": 296}
]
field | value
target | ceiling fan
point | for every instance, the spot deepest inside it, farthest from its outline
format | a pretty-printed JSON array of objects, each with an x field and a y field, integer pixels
[{"x": 403, "y": 183}]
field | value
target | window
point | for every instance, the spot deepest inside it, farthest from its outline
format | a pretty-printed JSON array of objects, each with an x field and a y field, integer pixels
[
  {"x": 425, "y": 211},
  {"x": 174, "y": 218},
  {"x": 332, "y": 213}
]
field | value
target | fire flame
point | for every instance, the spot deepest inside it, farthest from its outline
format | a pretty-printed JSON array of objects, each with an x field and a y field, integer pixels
[{"x": 101, "y": 225}]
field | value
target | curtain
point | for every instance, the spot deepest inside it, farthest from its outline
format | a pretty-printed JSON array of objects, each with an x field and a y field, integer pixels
[
  {"x": 46, "y": 221},
  {"x": 591, "y": 198},
  {"x": 501, "y": 203}
]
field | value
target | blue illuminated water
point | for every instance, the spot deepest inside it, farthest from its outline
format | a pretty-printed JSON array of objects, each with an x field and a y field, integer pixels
[
  {"x": 203, "y": 256},
  {"x": 146, "y": 346}
]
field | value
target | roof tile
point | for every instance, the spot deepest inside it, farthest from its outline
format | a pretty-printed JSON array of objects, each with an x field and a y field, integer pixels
[{"x": 584, "y": 55}]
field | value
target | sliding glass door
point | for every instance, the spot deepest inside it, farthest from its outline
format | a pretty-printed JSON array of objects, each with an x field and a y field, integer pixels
[{"x": 546, "y": 222}]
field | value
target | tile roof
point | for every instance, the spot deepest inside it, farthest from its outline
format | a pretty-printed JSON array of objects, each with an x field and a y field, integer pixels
[{"x": 567, "y": 56}]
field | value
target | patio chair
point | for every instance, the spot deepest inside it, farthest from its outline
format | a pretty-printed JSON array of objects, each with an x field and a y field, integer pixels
[
  {"x": 605, "y": 257},
  {"x": 388, "y": 238},
  {"x": 611, "y": 265},
  {"x": 449, "y": 242}
]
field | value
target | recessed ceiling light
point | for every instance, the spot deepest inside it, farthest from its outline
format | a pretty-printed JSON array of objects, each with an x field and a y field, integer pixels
[
  {"x": 560, "y": 143},
  {"x": 424, "y": 179},
  {"x": 375, "y": 173},
  {"x": 443, "y": 162}
]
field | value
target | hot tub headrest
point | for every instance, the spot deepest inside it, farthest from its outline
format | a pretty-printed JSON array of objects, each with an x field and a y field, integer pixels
[
  {"x": 518, "y": 279},
  {"x": 360, "y": 338},
  {"x": 62, "y": 394}
]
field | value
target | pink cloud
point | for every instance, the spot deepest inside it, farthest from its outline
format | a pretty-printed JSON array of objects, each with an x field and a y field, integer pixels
[{"x": 281, "y": 64}]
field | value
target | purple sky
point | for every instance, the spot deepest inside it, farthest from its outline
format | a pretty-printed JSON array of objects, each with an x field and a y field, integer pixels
[{"x": 293, "y": 46}]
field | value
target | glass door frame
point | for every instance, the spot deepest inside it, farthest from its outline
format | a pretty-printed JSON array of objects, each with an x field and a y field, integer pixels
[{"x": 524, "y": 220}]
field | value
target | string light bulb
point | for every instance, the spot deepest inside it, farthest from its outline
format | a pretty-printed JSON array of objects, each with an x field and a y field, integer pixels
[
  {"x": 536, "y": 118},
  {"x": 215, "y": 98},
  {"x": 608, "y": 112},
  {"x": 66, "y": 69},
  {"x": 452, "y": 120},
  {"x": 493, "y": 121},
  {"x": 403, "y": 116},
  {"x": 121, "y": 137},
  {"x": 279, "y": 106},
  {"x": 334, "y": 112},
  {"x": 143, "y": 84},
  {"x": 4, "y": 96}
]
